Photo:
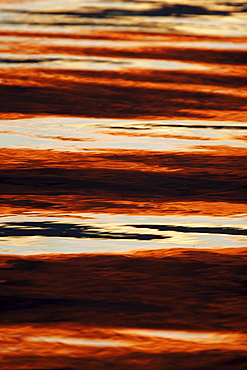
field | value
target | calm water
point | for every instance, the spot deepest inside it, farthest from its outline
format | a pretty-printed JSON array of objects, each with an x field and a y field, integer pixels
[{"x": 123, "y": 185}]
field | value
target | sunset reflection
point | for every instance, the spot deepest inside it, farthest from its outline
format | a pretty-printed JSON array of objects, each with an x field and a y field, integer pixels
[
  {"x": 123, "y": 185},
  {"x": 60, "y": 350},
  {"x": 168, "y": 334}
]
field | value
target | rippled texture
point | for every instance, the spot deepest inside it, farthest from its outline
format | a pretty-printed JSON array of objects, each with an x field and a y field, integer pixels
[{"x": 123, "y": 185}]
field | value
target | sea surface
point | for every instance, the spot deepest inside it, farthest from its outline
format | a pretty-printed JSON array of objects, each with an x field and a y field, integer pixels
[{"x": 123, "y": 158}]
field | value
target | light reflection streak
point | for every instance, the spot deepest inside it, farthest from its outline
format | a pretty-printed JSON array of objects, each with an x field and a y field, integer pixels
[
  {"x": 29, "y": 133},
  {"x": 35, "y": 245},
  {"x": 202, "y": 24},
  {"x": 80, "y": 62},
  {"x": 115, "y": 221},
  {"x": 79, "y": 341},
  {"x": 237, "y": 30},
  {"x": 54, "y": 339},
  {"x": 205, "y": 337},
  {"x": 34, "y": 41}
]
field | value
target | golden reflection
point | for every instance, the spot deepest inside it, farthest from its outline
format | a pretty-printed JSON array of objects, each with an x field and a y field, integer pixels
[
  {"x": 70, "y": 338},
  {"x": 217, "y": 158},
  {"x": 46, "y": 92},
  {"x": 174, "y": 308},
  {"x": 166, "y": 136},
  {"x": 159, "y": 53},
  {"x": 123, "y": 35},
  {"x": 93, "y": 289},
  {"x": 62, "y": 344},
  {"x": 143, "y": 180},
  {"x": 233, "y": 91},
  {"x": 48, "y": 206},
  {"x": 119, "y": 337},
  {"x": 188, "y": 94}
]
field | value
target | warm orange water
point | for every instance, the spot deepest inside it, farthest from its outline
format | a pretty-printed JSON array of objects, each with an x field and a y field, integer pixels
[{"x": 123, "y": 185}]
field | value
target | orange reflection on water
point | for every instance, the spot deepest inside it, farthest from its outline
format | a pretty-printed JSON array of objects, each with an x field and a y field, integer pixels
[
  {"x": 124, "y": 35},
  {"x": 69, "y": 205},
  {"x": 66, "y": 345},
  {"x": 158, "y": 309},
  {"x": 236, "y": 57},
  {"x": 37, "y": 337},
  {"x": 124, "y": 181},
  {"x": 176, "y": 289},
  {"x": 186, "y": 94},
  {"x": 166, "y": 136},
  {"x": 213, "y": 158}
]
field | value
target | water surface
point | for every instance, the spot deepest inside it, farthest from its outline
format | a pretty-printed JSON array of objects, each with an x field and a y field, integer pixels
[{"x": 123, "y": 187}]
